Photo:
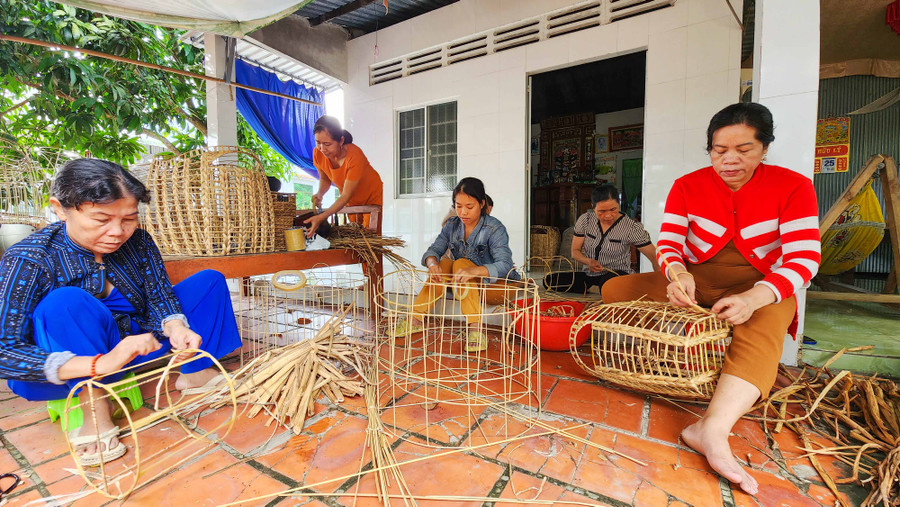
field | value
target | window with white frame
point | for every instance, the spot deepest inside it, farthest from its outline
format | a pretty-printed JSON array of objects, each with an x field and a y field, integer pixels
[{"x": 427, "y": 139}]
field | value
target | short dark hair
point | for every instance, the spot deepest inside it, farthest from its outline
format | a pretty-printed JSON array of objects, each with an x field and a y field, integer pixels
[
  {"x": 604, "y": 192},
  {"x": 472, "y": 187},
  {"x": 751, "y": 114},
  {"x": 96, "y": 181},
  {"x": 331, "y": 125},
  {"x": 488, "y": 200}
]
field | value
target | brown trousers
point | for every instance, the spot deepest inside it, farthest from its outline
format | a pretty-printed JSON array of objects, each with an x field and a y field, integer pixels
[
  {"x": 756, "y": 345},
  {"x": 469, "y": 293}
]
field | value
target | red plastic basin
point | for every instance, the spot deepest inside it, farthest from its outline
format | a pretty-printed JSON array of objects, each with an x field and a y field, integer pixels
[{"x": 554, "y": 333}]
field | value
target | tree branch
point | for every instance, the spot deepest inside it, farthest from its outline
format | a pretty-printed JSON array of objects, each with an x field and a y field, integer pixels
[
  {"x": 14, "y": 107},
  {"x": 168, "y": 144},
  {"x": 199, "y": 125}
]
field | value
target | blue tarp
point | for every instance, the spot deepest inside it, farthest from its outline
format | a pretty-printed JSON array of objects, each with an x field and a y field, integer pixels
[{"x": 285, "y": 125}]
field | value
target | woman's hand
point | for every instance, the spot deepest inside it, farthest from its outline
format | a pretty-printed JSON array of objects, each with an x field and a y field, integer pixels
[
  {"x": 314, "y": 222},
  {"x": 125, "y": 351},
  {"x": 678, "y": 297},
  {"x": 595, "y": 266},
  {"x": 739, "y": 308},
  {"x": 466, "y": 274},
  {"x": 181, "y": 337},
  {"x": 435, "y": 273},
  {"x": 316, "y": 200}
]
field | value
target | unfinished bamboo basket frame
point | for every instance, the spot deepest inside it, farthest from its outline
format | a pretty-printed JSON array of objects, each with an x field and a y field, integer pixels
[
  {"x": 121, "y": 477},
  {"x": 24, "y": 184},
  {"x": 654, "y": 347},
  {"x": 293, "y": 305},
  {"x": 210, "y": 202},
  {"x": 431, "y": 366},
  {"x": 540, "y": 267},
  {"x": 284, "y": 206}
]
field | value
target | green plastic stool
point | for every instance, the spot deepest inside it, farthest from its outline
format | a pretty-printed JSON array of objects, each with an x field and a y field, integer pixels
[{"x": 129, "y": 390}]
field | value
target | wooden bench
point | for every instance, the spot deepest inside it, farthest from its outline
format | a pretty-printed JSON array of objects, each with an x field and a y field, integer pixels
[{"x": 246, "y": 265}]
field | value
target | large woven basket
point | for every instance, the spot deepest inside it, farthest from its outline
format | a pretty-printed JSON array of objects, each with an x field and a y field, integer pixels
[
  {"x": 284, "y": 206},
  {"x": 209, "y": 202},
  {"x": 654, "y": 347},
  {"x": 544, "y": 241}
]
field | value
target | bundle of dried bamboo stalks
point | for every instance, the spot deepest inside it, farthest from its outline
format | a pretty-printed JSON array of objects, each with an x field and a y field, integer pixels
[
  {"x": 368, "y": 244},
  {"x": 286, "y": 382},
  {"x": 860, "y": 414}
]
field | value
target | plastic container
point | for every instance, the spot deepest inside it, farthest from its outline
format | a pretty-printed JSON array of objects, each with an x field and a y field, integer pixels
[{"x": 554, "y": 333}]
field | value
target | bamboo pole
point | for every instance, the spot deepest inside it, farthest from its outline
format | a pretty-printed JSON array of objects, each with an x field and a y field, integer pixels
[{"x": 99, "y": 54}]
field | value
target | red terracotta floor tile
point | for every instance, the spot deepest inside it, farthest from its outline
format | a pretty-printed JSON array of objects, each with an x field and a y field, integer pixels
[
  {"x": 665, "y": 470},
  {"x": 338, "y": 451},
  {"x": 648, "y": 494},
  {"x": 17, "y": 497},
  {"x": 562, "y": 364},
  {"x": 447, "y": 422},
  {"x": 526, "y": 487},
  {"x": 8, "y": 464},
  {"x": 213, "y": 479},
  {"x": 460, "y": 474},
  {"x": 598, "y": 403},
  {"x": 667, "y": 419},
  {"x": 16, "y": 412},
  {"x": 553, "y": 455},
  {"x": 824, "y": 496},
  {"x": 39, "y": 442},
  {"x": 774, "y": 491},
  {"x": 55, "y": 470}
]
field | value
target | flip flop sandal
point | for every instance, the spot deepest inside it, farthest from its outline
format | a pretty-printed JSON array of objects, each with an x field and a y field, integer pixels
[
  {"x": 103, "y": 441},
  {"x": 476, "y": 341},
  {"x": 210, "y": 385},
  {"x": 404, "y": 329}
]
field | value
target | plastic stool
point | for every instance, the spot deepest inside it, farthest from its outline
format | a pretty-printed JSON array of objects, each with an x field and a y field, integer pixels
[{"x": 129, "y": 391}]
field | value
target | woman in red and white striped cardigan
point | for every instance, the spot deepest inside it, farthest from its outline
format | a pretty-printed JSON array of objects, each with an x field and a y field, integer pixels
[{"x": 743, "y": 237}]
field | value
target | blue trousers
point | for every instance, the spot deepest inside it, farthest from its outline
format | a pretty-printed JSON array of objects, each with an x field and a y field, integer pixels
[{"x": 70, "y": 319}]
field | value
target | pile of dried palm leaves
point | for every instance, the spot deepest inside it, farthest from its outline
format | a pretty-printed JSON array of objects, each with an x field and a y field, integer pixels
[
  {"x": 368, "y": 244},
  {"x": 286, "y": 382},
  {"x": 860, "y": 414}
]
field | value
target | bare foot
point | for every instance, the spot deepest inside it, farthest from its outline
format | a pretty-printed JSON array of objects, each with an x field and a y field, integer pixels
[
  {"x": 196, "y": 379},
  {"x": 91, "y": 427},
  {"x": 713, "y": 444}
]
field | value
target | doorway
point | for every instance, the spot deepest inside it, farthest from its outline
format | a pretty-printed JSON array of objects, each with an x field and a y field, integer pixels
[{"x": 586, "y": 128}]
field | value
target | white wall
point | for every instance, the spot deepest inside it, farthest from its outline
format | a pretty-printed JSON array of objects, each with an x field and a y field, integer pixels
[{"x": 693, "y": 70}]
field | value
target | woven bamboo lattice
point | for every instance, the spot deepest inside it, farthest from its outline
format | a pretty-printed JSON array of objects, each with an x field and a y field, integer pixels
[
  {"x": 210, "y": 202},
  {"x": 654, "y": 347},
  {"x": 181, "y": 427},
  {"x": 24, "y": 183},
  {"x": 544, "y": 241},
  {"x": 284, "y": 208},
  {"x": 292, "y": 306},
  {"x": 431, "y": 368}
]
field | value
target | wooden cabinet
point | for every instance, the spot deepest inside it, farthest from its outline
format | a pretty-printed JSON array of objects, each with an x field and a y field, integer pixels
[{"x": 560, "y": 204}]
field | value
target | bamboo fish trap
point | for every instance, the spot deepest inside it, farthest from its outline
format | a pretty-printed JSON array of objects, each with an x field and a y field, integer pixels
[
  {"x": 24, "y": 183},
  {"x": 180, "y": 428},
  {"x": 654, "y": 347},
  {"x": 428, "y": 383},
  {"x": 210, "y": 202}
]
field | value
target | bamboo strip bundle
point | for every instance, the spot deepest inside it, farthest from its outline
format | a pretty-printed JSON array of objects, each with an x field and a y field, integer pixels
[
  {"x": 860, "y": 414},
  {"x": 368, "y": 244},
  {"x": 287, "y": 381}
]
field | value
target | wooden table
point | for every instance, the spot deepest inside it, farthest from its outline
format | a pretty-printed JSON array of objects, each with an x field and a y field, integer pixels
[{"x": 246, "y": 265}]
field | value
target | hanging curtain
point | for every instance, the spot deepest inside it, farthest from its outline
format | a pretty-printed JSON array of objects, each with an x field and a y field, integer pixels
[{"x": 285, "y": 125}]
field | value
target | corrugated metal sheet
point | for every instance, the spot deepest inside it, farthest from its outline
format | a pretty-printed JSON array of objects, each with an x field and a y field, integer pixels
[
  {"x": 372, "y": 17},
  {"x": 872, "y": 133}
]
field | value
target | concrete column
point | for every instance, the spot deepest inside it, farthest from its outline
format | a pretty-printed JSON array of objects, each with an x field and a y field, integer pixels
[
  {"x": 221, "y": 110},
  {"x": 786, "y": 80}
]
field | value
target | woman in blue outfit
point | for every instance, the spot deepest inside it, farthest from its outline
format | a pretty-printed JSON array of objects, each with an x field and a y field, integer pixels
[
  {"x": 89, "y": 295},
  {"x": 479, "y": 247}
]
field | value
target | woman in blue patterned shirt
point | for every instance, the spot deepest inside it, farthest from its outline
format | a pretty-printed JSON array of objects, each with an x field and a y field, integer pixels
[{"x": 90, "y": 294}]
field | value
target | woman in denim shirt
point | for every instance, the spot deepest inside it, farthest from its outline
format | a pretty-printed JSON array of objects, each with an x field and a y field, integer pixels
[{"x": 479, "y": 249}]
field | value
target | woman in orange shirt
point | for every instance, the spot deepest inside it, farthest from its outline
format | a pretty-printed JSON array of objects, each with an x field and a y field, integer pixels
[{"x": 342, "y": 163}]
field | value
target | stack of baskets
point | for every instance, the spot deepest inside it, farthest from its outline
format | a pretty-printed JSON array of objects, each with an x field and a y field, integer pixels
[
  {"x": 544, "y": 243},
  {"x": 209, "y": 202},
  {"x": 284, "y": 207}
]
